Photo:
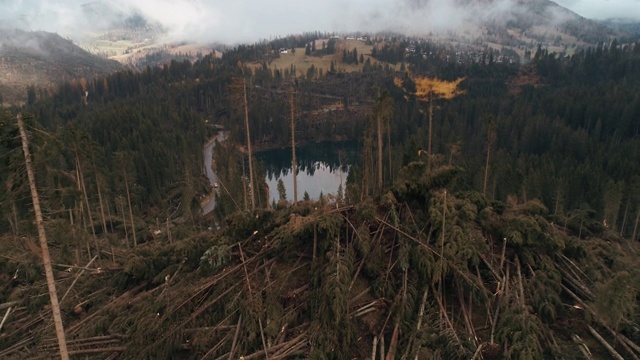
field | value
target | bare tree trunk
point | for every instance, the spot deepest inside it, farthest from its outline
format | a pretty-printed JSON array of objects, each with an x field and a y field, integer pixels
[
  {"x": 444, "y": 223},
  {"x": 486, "y": 173},
  {"x": 86, "y": 200},
  {"x": 102, "y": 216},
  {"x": 266, "y": 191},
  {"x": 580, "y": 232},
  {"x": 375, "y": 347},
  {"x": 246, "y": 123},
  {"x": 133, "y": 225},
  {"x": 604, "y": 343},
  {"x": 368, "y": 171},
  {"x": 393, "y": 346},
  {"x": 614, "y": 220},
  {"x": 104, "y": 220},
  {"x": 372, "y": 168},
  {"x": 46, "y": 260},
  {"x": 124, "y": 222},
  {"x": 235, "y": 338},
  {"x": 380, "y": 152},
  {"x": 389, "y": 150},
  {"x": 82, "y": 216},
  {"x": 490, "y": 140},
  {"x": 73, "y": 234},
  {"x": 315, "y": 242},
  {"x": 423, "y": 303},
  {"x": 624, "y": 218},
  {"x": 4, "y": 318},
  {"x": 635, "y": 227},
  {"x": 84, "y": 226},
  {"x": 293, "y": 151},
  {"x": 244, "y": 186},
  {"x": 246, "y": 277},
  {"x": 110, "y": 217},
  {"x": 430, "y": 131}
]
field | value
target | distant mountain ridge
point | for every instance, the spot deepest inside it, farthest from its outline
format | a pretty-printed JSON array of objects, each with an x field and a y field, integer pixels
[
  {"x": 550, "y": 17},
  {"x": 630, "y": 26},
  {"x": 521, "y": 24},
  {"x": 44, "y": 59}
]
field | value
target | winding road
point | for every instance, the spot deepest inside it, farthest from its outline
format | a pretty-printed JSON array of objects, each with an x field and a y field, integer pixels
[{"x": 211, "y": 175}]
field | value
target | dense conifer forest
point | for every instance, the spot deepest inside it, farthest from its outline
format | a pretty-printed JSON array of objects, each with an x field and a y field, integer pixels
[{"x": 493, "y": 212}]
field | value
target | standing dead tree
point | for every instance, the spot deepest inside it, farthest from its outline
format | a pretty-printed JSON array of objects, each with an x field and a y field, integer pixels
[
  {"x": 293, "y": 149},
  {"x": 491, "y": 139},
  {"x": 122, "y": 159},
  {"x": 383, "y": 112},
  {"x": 246, "y": 123},
  {"x": 430, "y": 89}
]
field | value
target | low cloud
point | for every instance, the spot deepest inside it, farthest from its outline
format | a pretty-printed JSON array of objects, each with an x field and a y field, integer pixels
[
  {"x": 235, "y": 21},
  {"x": 604, "y": 9}
]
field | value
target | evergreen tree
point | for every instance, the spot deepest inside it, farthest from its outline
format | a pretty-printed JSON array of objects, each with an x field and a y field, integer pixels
[{"x": 282, "y": 192}]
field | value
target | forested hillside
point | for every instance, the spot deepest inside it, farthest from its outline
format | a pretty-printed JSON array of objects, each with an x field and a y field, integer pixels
[
  {"x": 38, "y": 60},
  {"x": 493, "y": 212}
]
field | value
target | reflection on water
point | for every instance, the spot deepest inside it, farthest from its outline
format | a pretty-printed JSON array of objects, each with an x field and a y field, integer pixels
[{"x": 321, "y": 168}]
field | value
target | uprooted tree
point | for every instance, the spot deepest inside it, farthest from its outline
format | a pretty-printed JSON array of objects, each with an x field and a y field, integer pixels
[{"x": 426, "y": 270}]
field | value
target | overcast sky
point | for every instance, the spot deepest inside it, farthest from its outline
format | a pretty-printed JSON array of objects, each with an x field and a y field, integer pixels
[
  {"x": 233, "y": 21},
  {"x": 604, "y": 9}
]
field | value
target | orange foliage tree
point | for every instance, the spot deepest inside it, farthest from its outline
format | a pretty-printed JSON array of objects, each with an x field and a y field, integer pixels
[{"x": 429, "y": 89}]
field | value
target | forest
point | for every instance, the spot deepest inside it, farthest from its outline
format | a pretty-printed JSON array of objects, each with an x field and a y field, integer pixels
[{"x": 493, "y": 212}]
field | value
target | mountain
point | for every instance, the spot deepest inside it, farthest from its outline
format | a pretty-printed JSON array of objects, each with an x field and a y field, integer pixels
[
  {"x": 511, "y": 25},
  {"x": 546, "y": 22},
  {"x": 630, "y": 26},
  {"x": 44, "y": 59}
]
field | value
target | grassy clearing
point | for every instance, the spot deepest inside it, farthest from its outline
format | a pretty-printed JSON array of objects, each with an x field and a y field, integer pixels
[
  {"x": 110, "y": 47},
  {"x": 127, "y": 51},
  {"x": 303, "y": 62}
]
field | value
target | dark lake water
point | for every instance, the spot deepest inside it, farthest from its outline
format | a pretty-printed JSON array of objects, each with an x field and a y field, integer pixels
[{"x": 322, "y": 167}]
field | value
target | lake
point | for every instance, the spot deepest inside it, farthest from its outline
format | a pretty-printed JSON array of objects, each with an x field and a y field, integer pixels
[{"x": 322, "y": 167}]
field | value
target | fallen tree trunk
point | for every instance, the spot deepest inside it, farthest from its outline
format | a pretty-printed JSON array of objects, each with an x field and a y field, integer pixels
[
  {"x": 604, "y": 343},
  {"x": 4, "y": 318},
  {"x": 46, "y": 259}
]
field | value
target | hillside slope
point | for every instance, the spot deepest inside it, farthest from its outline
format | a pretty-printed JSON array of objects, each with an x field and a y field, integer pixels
[
  {"x": 43, "y": 59},
  {"x": 630, "y": 26},
  {"x": 532, "y": 22}
]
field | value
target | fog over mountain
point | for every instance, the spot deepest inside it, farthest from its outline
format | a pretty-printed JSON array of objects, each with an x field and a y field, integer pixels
[
  {"x": 604, "y": 9},
  {"x": 251, "y": 20}
]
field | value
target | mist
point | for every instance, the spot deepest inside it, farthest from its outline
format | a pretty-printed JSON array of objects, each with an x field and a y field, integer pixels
[
  {"x": 604, "y": 9},
  {"x": 242, "y": 21}
]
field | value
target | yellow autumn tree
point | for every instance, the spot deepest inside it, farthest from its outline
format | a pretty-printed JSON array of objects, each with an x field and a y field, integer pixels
[{"x": 430, "y": 89}]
